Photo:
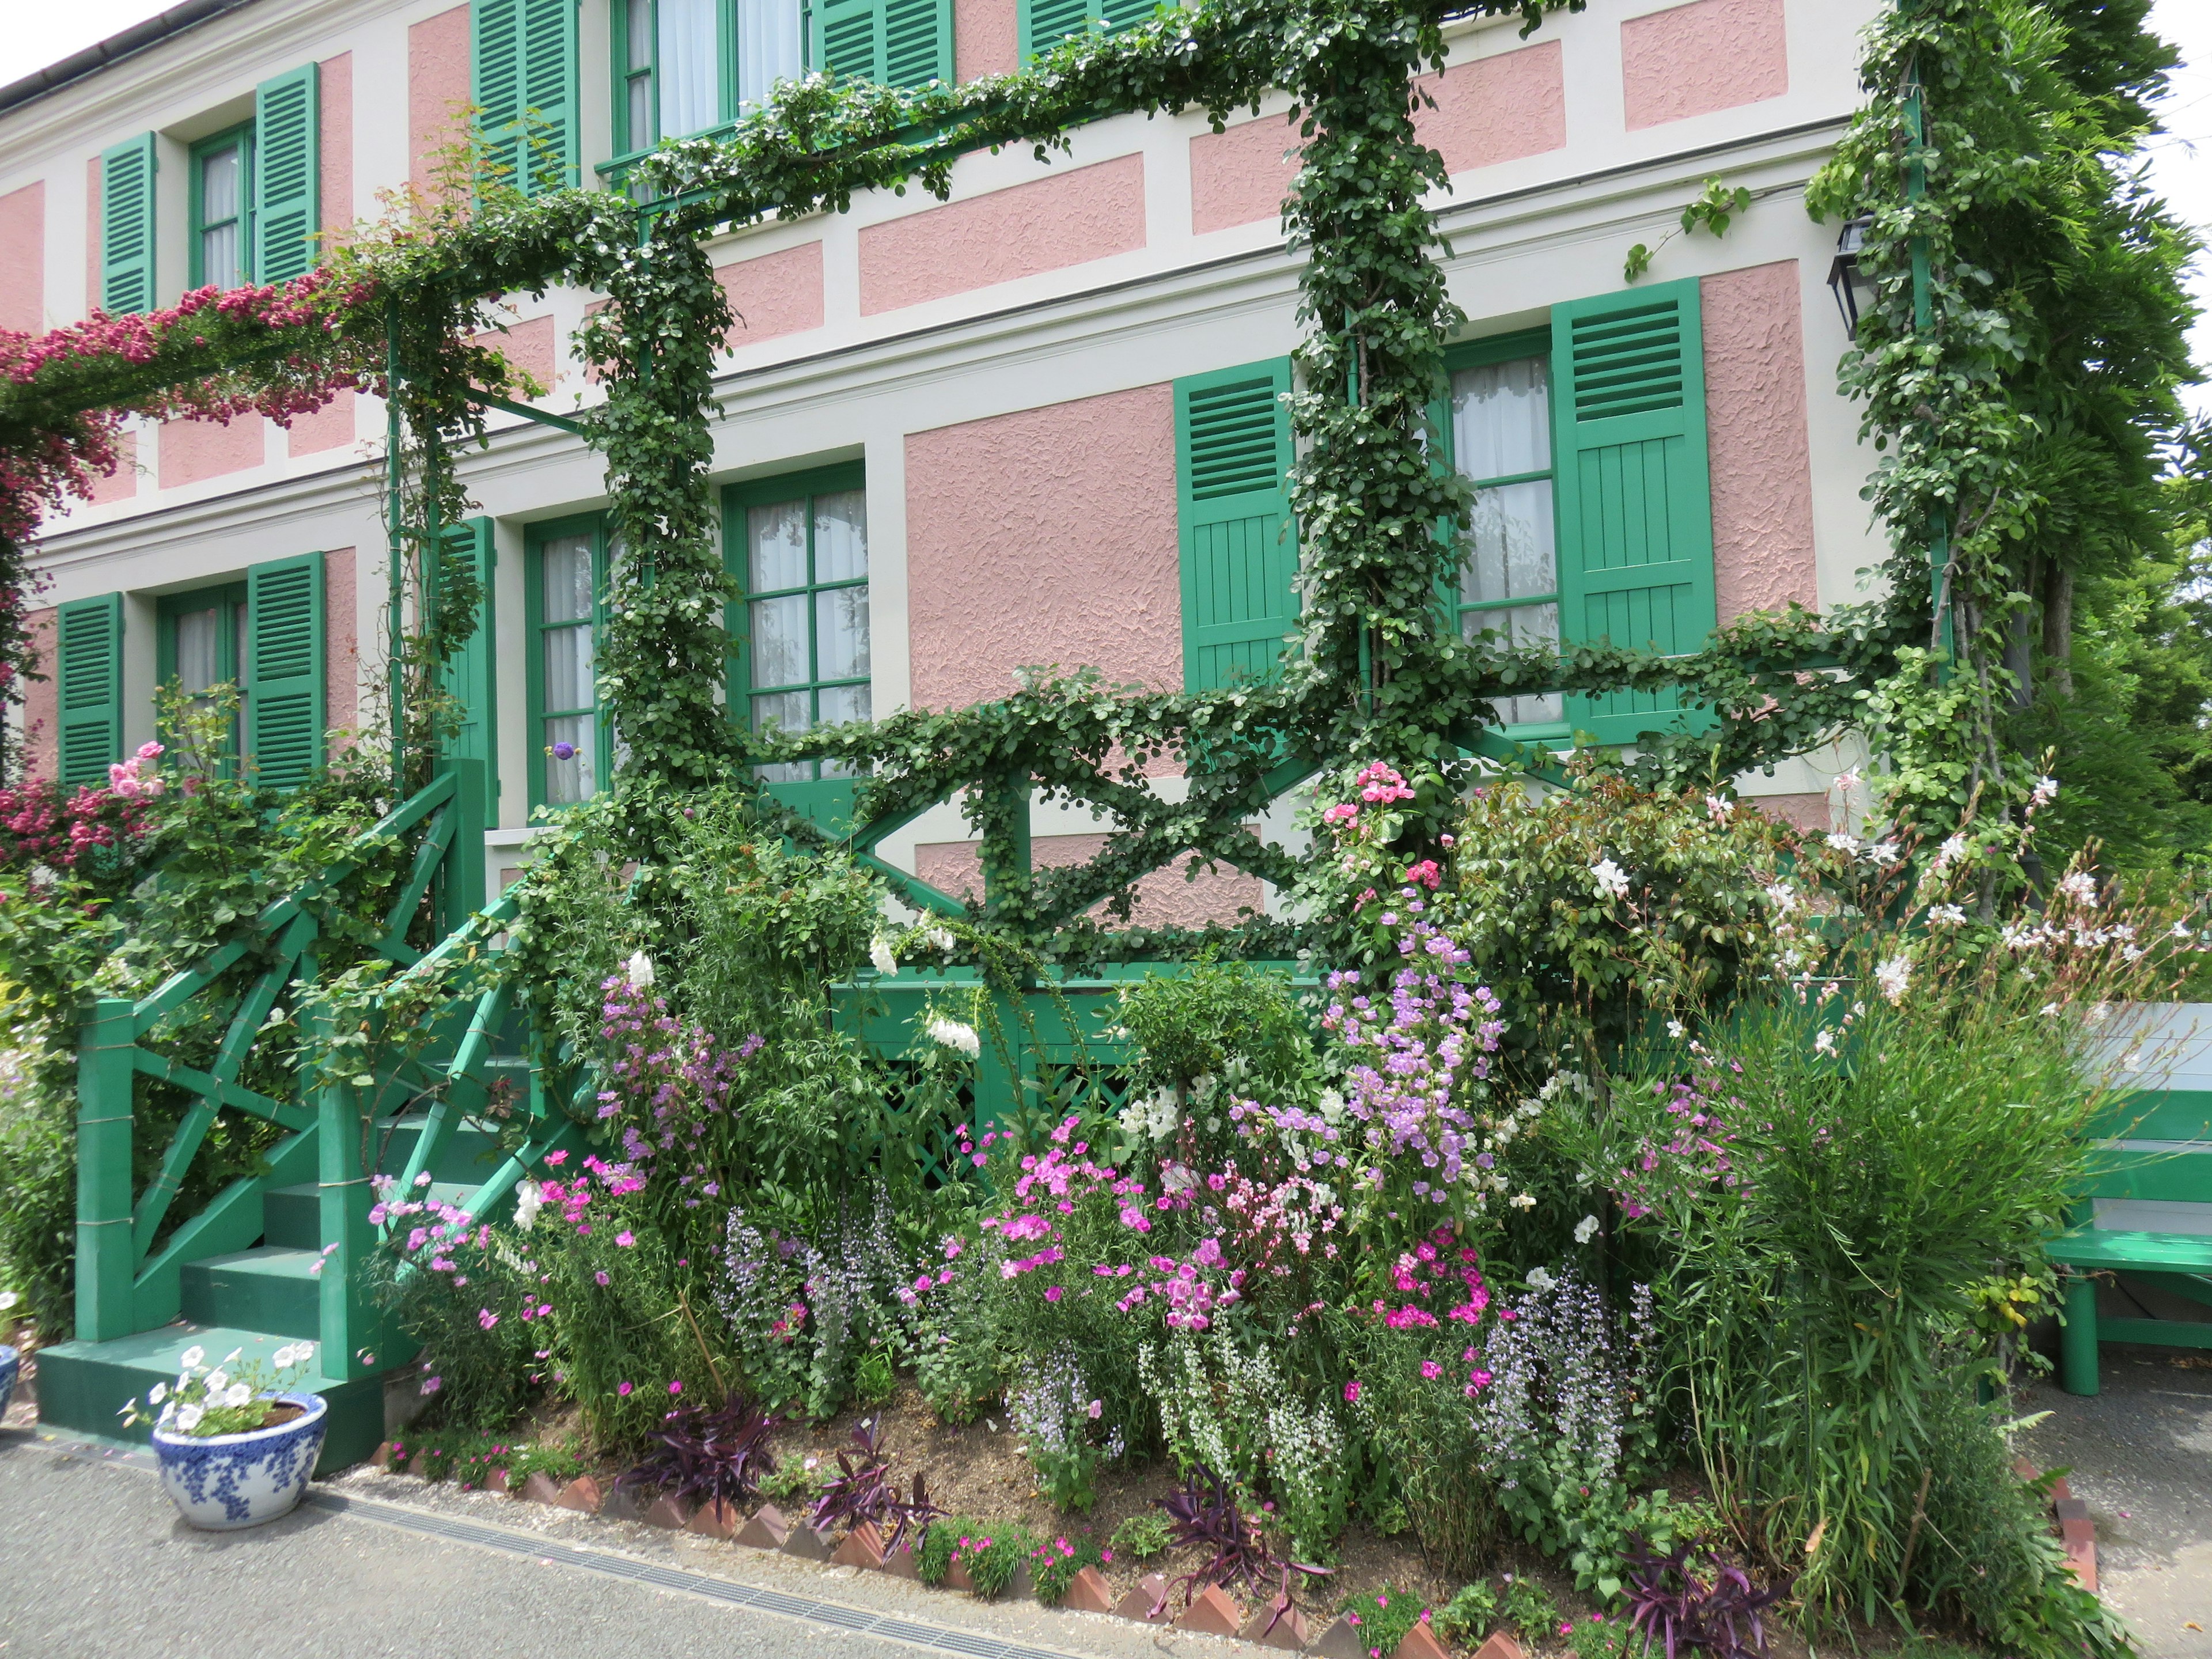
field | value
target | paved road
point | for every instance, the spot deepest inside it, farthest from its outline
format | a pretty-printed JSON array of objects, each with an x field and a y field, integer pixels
[{"x": 95, "y": 1565}]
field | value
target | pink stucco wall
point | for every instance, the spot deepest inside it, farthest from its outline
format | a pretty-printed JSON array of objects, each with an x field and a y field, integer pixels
[
  {"x": 1488, "y": 109},
  {"x": 985, "y": 38},
  {"x": 1761, "y": 457},
  {"x": 1164, "y": 898},
  {"x": 121, "y": 484},
  {"x": 42, "y": 699},
  {"x": 778, "y": 293},
  {"x": 23, "y": 260},
  {"x": 437, "y": 89},
  {"x": 1046, "y": 536},
  {"x": 1068, "y": 219},
  {"x": 1806, "y": 812},
  {"x": 334, "y": 144},
  {"x": 1705, "y": 56},
  {"x": 1495, "y": 109},
  {"x": 189, "y": 452},
  {"x": 92, "y": 234},
  {"x": 330, "y": 426},
  {"x": 341, "y": 641},
  {"x": 532, "y": 346}
]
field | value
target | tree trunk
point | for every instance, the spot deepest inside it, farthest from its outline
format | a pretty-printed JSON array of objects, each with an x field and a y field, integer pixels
[
  {"x": 2058, "y": 628},
  {"x": 2019, "y": 638}
]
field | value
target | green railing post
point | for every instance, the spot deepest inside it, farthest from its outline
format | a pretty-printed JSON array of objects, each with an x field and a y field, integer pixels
[
  {"x": 463, "y": 883},
  {"x": 105, "y": 1260},
  {"x": 348, "y": 1338}
]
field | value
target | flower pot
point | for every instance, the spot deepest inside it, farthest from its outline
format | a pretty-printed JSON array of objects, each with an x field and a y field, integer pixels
[
  {"x": 224, "y": 1481},
  {"x": 11, "y": 1364}
]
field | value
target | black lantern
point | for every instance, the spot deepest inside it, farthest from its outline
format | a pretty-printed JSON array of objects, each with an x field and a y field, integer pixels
[{"x": 1852, "y": 287}]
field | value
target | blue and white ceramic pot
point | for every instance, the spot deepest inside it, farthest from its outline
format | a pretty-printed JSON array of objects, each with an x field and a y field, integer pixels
[
  {"x": 225, "y": 1481},
  {"x": 10, "y": 1363}
]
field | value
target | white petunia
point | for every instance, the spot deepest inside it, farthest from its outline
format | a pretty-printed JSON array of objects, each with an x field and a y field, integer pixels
[
  {"x": 640, "y": 970},
  {"x": 217, "y": 1381},
  {"x": 954, "y": 1035},
  {"x": 1893, "y": 976},
  {"x": 157, "y": 1394},
  {"x": 237, "y": 1394},
  {"x": 879, "y": 952},
  {"x": 192, "y": 1357},
  {"x": 1586, "y": 1230},
  {"x": 1611, "y": 880},
  {"x": 188, "y": 1417}
]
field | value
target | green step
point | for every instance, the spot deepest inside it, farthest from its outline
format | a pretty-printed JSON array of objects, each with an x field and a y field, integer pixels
[
  {"x": 83, "y": 1387},
  {"x": 292, "y": 1216},
  {"x": 470, "y": 1156},
  {"x": 269, "y": 1289}
]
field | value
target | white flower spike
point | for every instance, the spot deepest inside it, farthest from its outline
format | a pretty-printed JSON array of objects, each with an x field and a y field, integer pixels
[
  {"x": 640, "y": 971},
  {"x": 879, "y": 953}
]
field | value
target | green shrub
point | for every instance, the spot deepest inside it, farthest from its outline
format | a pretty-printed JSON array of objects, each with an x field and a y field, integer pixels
[{"x": 1141, "y": 1536}]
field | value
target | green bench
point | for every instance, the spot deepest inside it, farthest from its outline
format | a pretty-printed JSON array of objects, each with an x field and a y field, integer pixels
[{"x": 2161, "y": 1155}]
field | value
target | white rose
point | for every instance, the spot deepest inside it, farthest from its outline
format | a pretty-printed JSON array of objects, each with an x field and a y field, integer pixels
[
  {"x": 1611, "y": 880},
  {"x": 1540, "y": 1280},
  {"x": 1585, "y": 1229}
]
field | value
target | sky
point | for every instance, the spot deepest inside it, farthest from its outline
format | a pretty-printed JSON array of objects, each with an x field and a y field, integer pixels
[{"x": 37, "y": 35}]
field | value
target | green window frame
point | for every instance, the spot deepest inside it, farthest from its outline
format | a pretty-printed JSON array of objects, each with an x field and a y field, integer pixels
[
  {"x": 218, "y": 649},
  {"x": 1043, "y": 24},
  {"x": 227, "y": 220},
  {"x": 1239, "y": 549},
  {"x": 564, "y": 627},
  {"x": 800, "y": 595}
]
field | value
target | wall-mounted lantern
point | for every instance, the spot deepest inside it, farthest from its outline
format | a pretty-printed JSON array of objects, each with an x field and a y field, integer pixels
[{"x": 1853, "y": 287}]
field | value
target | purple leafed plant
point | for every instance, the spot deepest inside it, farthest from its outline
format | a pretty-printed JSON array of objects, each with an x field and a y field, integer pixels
[
  {"x": 864, "y": 1490},
  {"x": 1206, "y": 1513},
  {"x": 1689, "y": 1601},
  {"x": 701, "y": 1455}
]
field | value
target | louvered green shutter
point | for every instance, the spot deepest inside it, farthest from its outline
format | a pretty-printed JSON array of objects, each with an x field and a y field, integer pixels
[
  {"x": 1240, "y": 559},
  {"x": 286, "y": 214},
  {"x": 1046, "y": 23},
  {"x": 1635, "y": 496},
  {"x": 88, "y": 665},
  {"x": 126, "y": 227},
  {"x": 285, "y": 669},
  {"x": 893, "y": 43},
  {"x": 469, "y": 677},
  {"x": 523, "y": 75}
]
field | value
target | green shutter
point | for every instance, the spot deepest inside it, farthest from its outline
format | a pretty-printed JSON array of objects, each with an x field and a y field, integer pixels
[
  {"x": 1635, "y": 496},
  {"x": 126, "y": 226},
  {"x": 523, "y": 81},
  {"x": 471, "y": 679},
  {"x": 893, "y": 43},
  {"x": 286, "y": 214},
  {"x": 285, "y": 669},
  {"x": 1240, "y": 559},
  {"x": 89, "y": 664},
  {"x": 1045, "y": 23}
]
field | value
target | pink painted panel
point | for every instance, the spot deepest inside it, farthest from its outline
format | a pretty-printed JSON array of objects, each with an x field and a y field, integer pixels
[
  {"x": 1761, "y": 456},
  {"x": 334, "y": 145},
  {"x": 1168, "y": 897},
  {"x": 1806, "y": 812},
  {"x": 122, "y": 484},
  {"x": 1240, "y": 175},
  {"x": 1046, "y": 536},
  {"x": 776, "y": 293},
  {"x": 341, "y": 641},
  {"x": 1046, "y": 224},
  {"x": 1495, "y": 109},
  {"x": 437, "y": 90},
  {"x": 986, "y": 38},
  {"x": 1706, "y": 55},
  {"x": 330, "y": 426},
  {"x": 189, "y": 452},
  {"x": 42, "y": 698},
  {"x": 23, "y": 260},
  {"x": 533, "y": 347},
  {"x": 92, "y": 235}
]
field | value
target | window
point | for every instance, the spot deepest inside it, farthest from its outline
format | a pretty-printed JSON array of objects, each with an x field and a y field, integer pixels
[
  {"x": 1501, "y": 438},
  {"x": 566, "y": 574},
  {"x": 685, "y": 66},
  {"x": 202, "y": 644},
  {"x": 800, "y": 546},
  {"x": 223, "y": 190}
]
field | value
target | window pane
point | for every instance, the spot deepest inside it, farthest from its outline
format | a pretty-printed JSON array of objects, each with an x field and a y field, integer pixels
[
  {"x": 219, "y": 260},
  {"x": 841, "y": 632},
  {"x": 219, "y": 184},
  {"x": 199, "y": 662},
  {"x": 1502, "y": 418},
  {"x": 1511, "y": 551},
  {"x": 840, "y": 704},
  {"x": 687, "y": 61},
  {"x": 778, "y": 641},
  {"x": 775, "y": 537},
  {"x": 1522, "y": 625},
  {"x": 571, "y": 767},
  {"x": 768, "y": 46},
  {"x": 566, "y": 564},
  {"x": 639, "y": 34},
  {"x": 840, "y": 536},
  {"x": 569, "y": 667},
  {"x": 786, "y": 711},
  {"x": 640, "y": 112}
]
